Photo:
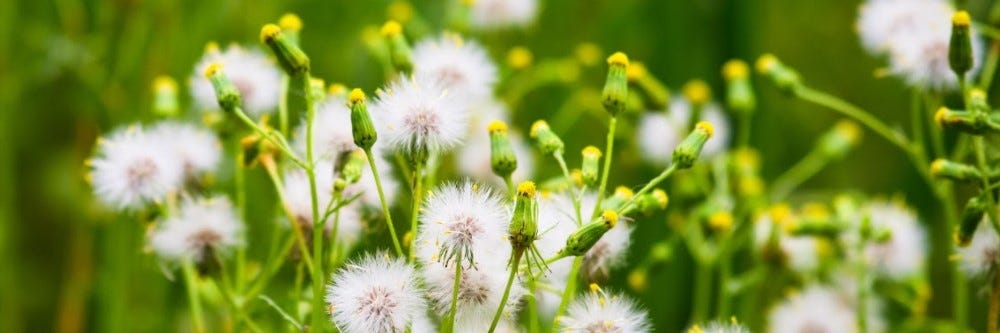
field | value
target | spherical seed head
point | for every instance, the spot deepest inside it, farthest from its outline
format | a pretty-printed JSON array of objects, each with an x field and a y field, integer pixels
[
  {"x": 635, "y": 71},
  {"x": 697, "y": 92},
  {"x": 356, "y": 96},
  {"x": 618, "y": 59},
  {"x": 765, "y": 63},
  {"x": 526, "y": 189},
  {"x": 610, "y": 217},
  {"x": 290, "y": 21},
  {"x": 519, "y": 57},
  {"x": 391, "y": 28},
  {"x": 164, "y": 83},
  {"x": 591, "y": 151},
  {"x": 705, "y": 127},
  {"x": 940, "y": 115},
  {"x": 961, "y": 18},
  {"x": 496, "y": 126},
  {"x": 269, "y": 32},
  {"x": 735, "y": 69},
  {"x": 212, "y": 69},
  {"x": 538, "y": 125}
]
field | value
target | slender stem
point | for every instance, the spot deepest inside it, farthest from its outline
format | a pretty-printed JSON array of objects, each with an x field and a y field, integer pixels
[
  {"x": 318, "y": 278},
  {"x": 994, "y": 311},
  {"x": 338, "y": 198},
  {"x": 241, "y": 204},
  {"x": 991, "y": 211},
  {"x": 799, "y": 173},
  {"x": 271, "y": 269},
  {"x": 275, "y": 138},
  {"x": 861, "y": 310},
  {"x": 608, "y": 152},
  {"x": 506, "y": 291},
  {"x": 418, "y": 194},
  {"x": 283, "y": 104},
  {"x": 194, "y": 300},
  {"x": 568, "y": 293},
  {"x": 990, "y": 66},
  {"x": 272, "y": 172},
  {"x": 701, "y": 297},
  {"x": 569, "y": 178},
  {"x": 509, "y": 180},
  {"x": 725, "y": 273},
  {"x": 385, "y": 203},
  {"x": 917, "y": 121},
  {"x": 449, "y": 324},
  {"x": 853, "y": 112},
  {"x": 533, "y": 324},
  {"x": 745, "y": 127}
]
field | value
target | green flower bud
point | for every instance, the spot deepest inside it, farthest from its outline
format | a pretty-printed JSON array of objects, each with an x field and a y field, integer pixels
[
  {"x": 614, "y": 202},
  {"x": 317, "y": 87},
  {"x": 291, "y": 58},
  {"x": 784, "y": 77},
  {"x": 165, "y": 97},
  {"x": 361, "y": 122},
  {"x": 970, "y": 122},
  {"x": 523, "y": 228},
  {"x": 339, "y": 185},
  {"x": 942, "y": 168},
  {"x": 584, "y": 238},
  {"x": 502, "y": 158},
  {"x": 615, "y": 94},
  {"x": 739, "y": 93},
  {"x": 354, "y": 166},
  {"x": 590, "y": 167},
  {"x": 839, "y": 140},
  {"x": 688, "y": 150},
  {"x": 653, "y": 201},
  {"x": 225, "y": 92},
  {"x": 977, "y": 101},
  {"x": 656, "y": 93},
  {"x": 399, "y": 49},
  {"x": 545, "y": 138},
  {"x": 960, "y": 47},
  {"x": 972, "y": 215},
  {"x": 291, "y": 25}
]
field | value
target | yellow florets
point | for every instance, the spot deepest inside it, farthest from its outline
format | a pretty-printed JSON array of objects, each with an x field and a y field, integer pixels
[
  {"x": 610, "y": 217},
  {"x": 269, "y": 32},
  {"x": 391, "y": 28},
  {"x": 635, "y": 71},
  {"x": 765, "y": 63},
  {"x": 526, "y": 189},
  {"x": 705, "y": 127},
  {"x": 961, "y": 18},
  {"x": 336, "y": 89},
  {"x": 624, "y": 192},
  {"x": 538, "y": 125},
  {"x": 735, "y": 69},
  {"x": 720, "y": 221},
  {"x": 400, "y": 11},
  {"x": 849, "y": 130},
  {"x": 591, "y": 151},
  {"x": 697, "y": 92},
  {"x": 939, "y": 116},
  {"x": 211, "y": 47},
  {"x": 164, "y": 83},
  {"x": 213, "y": 68},
  {"x": 937, "y": 166},
  {"x": 496, "y": 126},
  {"x": 519, "y": 57},
  {"x": 291, "y": 22},
  {"x": 661, "y": 198},
  {"x": 356, "y": 96},
  {"x": 618, "y": 59}
]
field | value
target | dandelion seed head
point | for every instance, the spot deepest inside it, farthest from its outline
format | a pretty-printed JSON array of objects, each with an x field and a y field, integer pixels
[
  {"x": 133, "y": 167},
  {"x": 198, "y": 227},
  {"x": 818, "y": 309},
  {"x": 463, "y": 220},
  {"x": 196, "y": 148},
  {"x": 462, "y": 67},
  {"x": 255, "y": 75},
  {"x": 903, "y": 254},
  {"x": 598, "y": 312},
  {"x": 498, "y": 14},
  {"x": 982, "y": 256},
  {"x": 376, "y": 294},
  {"x": 420, "y": 114}
]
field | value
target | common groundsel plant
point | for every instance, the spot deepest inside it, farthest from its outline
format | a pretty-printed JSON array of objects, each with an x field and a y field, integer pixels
[{"x": 416, "y": 207}]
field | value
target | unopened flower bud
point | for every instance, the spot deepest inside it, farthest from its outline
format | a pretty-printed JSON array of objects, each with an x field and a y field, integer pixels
[
  {"x": 519, "y": 58},
  {"x": 291, "y": 58},
  {"x": 589, "y": 169},
  {"x": 399, "y": 49},
  {"x": 688, "y": 150},
  {"x": 960, "y": 47},
  {"x": 839, "y": 140},
  {"x": 969, "y": 122},
  {"x": 354, "y": 166},
  {"x": 361, "y": 122},
  {"x": 339, "y": 185},
  {"x": 545, "y": 138},
  {"x": 656, "y": 93},
  {"x": 697, "y": 92},
  {"x": 615, "y": 201},
  {"x": 502, "y": 158},
  {"x": 291, "y": 25},
  {"x": 720, "y": 221},
  {"x": 165, "y": 97},
  {"x": 584, "y": 238},
  {"x": 523, "y": 229},
  {"x": 615, "y": 94},
  {"x": 739, "y": 93},
  {"x": 653, "y": 201},
  {"x": 784, "y": 77},
  {"x": 972, "y": 215},
  {"x": 225, "y": 91},
  {"x": 942, "y": 168}
]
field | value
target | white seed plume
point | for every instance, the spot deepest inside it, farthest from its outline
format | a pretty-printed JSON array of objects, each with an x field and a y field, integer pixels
[
  {"x": 461, "y": 67},
  {"x": 254, "y": 74},
  {"x": 479, "y": 292},
  {"x": 801, "y": 251},
  {"x": 881, "y": 22},
  {"x": 133, "y": 167},
  {"x": 199, "y": 226},
  {"x": 376, "y": 294},
  {"x": 197, "y": 149},
  {"x": 599, "y": 312},
  {"x": 903, "y": 255},
  {"x": 498, "y": 14},
  {"x": 660, "y": 133},
  {"x": 816, "y": 309},
  {"x": 298, "y": 198},
  {"x": 420, "y": 114},
  {"x": 719, "y": 327},
  {"x": 982, "y": 256}
]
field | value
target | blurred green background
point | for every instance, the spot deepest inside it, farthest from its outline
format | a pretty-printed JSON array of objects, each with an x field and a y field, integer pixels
[{"x": 71, "y": 69}]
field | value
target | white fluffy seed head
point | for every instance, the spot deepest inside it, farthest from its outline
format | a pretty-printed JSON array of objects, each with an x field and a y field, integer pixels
[
  {"x": 903, "y": 255},
  {"x": 254, "y": 74},
  {"x": 600, "y": 312},
  {"x": 660, "y": 133},
  {"x": 462, "y": 67},
  {"x": 463, "y": 219},
  {"x": 817, "y": 309},
  {"x": 556, "y": 222},
  {"x": 801, "y": 251},
  {"x": 881, "y": 22},
  {"x": 480, "y": 289},
  {"x": 197, "y": 227},
  {"x": 419, "y": 114},
  {"x": 982, "y": 256},
  {"x": 132, "y": 167},
  {"x": 197, "y": 149},
  {"x": 376, "y": 294},
  {"x": 499, "y": 14}
]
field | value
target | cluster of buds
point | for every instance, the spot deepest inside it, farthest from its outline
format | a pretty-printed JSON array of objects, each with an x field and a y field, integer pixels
[{"x": 977, "y": 120}]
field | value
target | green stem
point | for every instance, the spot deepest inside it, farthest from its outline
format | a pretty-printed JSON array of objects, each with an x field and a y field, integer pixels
[
  {"x": 990, "y": 66},
  {"x": 569, "y": 178},
  {"x": 509, "y": 180},
  {"x": 799, "y": 173},
  {"x": 241, "y": 204},
  {"x": 194, "y": 300},
  {"x": 533, "y": 324},
  {"x": 917, "y": 121},
  {"x": 385, "y": 203},
  {"x": 746, "y": 126},
  {"x": 702, "y": 295},
  {"x": 567, "y": 296},
  {"x": 296, "y": 227},
  {"x": 274, "y": 138},
  {"x": 853, "y": 112},
  {"x": 449, "y": 324},
  {"x": 506, "y": 291},
  {"x": 608, "y": 152},
  {"x": 725, "y": 273},
  {"x": 318, "y": 278},
  {"x": 418, "y": 195},
  {"x": 980, "y": 148}
]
